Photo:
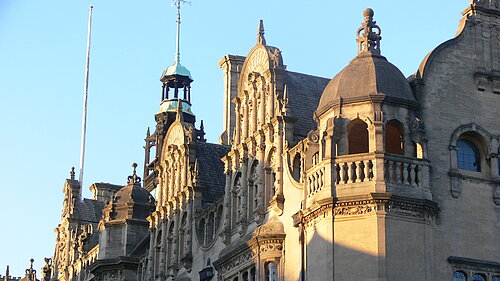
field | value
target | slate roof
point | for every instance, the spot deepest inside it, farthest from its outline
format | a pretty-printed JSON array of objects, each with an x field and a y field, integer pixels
[
  {"x": 211, "y": 171},
  {"x": 304, "y": 93}
]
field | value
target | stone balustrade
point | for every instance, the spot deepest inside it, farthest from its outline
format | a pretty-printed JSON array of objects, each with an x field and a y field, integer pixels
[
  {"x": 406, "y": 171},
  {"x": 397, "y": 171},
  {"x": 315, "y": 180},
  {"x": 354, "y": 168}
]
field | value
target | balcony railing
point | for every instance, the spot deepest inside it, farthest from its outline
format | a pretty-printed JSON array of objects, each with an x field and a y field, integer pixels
[{"x": 399, "y": 172}]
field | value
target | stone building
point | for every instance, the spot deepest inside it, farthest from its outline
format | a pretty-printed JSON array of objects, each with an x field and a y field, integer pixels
[{"x": 366, "y": 176}]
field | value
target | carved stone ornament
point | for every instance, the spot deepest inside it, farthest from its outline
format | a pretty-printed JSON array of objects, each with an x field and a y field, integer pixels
[{"x": 455, "y": 184}]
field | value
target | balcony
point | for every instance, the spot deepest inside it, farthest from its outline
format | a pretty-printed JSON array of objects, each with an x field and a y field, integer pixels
[{"x": 363, "y": 173}]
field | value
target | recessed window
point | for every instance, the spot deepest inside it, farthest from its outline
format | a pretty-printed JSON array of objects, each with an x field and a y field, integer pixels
[
  {"x": 459, "y": 276},
  {"x": 468, "y": 156},
  {"x": 495, "y": 278},
  {"x": 357, "y": 137},
  {"x": 271, "y": 271},
  {"x": 394, "y": 137},
  {"x": 478, "y": 277}
]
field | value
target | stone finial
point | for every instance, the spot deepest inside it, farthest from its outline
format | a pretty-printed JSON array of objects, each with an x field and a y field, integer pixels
[
  {"x": 30, "y": 272},
  {"x": 134, "y": 179},
  {"x": 369, "y": 34},
  {"x": 179, "y": 116},
  {"x": 260, "y": 34},
  {"x": 72, "y": 173}
]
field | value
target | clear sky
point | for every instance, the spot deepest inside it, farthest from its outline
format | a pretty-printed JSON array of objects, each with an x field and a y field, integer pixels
[{"x": 42, "y": 59}]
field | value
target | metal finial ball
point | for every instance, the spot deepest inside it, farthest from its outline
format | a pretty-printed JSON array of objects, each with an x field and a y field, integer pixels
[
  {"x": 134, "y": 165},
  {"x": 368, "y": 12}
]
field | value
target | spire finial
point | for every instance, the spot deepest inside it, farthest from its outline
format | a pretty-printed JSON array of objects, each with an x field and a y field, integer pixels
[
  {"x": 260, "y": 33},
  {"x": 134, "y": 179},
  {"x": 72, "y": 173},
  {"x": 178, "y": 35},
  {"x": 369, "y": 34},
  {"x": 179, "y": 116}
]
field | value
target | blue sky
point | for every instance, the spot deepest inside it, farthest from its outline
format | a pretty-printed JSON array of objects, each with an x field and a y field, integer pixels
[{"x": 42, "y": 59}]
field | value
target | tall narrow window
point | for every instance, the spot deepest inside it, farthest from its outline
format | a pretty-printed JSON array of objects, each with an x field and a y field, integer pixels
[
  {"x": 468, "y": 156},
  {"x": 357, "y": 136},
  {"x": 393, "y": 137},
  {"x": 271, "y": 271},
  {"x": 459, "y": 276},
  {"x": 296, "y": 167}
]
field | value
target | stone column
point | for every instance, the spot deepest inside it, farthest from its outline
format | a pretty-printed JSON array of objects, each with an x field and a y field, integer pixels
[
  {"x": 254, "y": 112},
  {"x": 244, "y": 190},
  {"x": 163, "y": 248},
  {"x": 189, "y": 224},
  {"x": 237, "y": 130},
  {"x": 260, "y": 181},
  {"x": 245, "y": 118}
]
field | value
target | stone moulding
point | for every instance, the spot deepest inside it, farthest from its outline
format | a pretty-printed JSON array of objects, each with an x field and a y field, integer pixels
[
  {"x": 467, "y": 264},
  {"x": 372, "y": 203}
]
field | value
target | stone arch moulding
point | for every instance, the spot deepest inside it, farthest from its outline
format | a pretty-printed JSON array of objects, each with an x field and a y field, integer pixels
[{"x": 485, "y": 141}]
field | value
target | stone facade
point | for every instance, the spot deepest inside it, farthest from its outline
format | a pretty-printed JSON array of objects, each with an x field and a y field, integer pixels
[{"x": 366, "y": 176}]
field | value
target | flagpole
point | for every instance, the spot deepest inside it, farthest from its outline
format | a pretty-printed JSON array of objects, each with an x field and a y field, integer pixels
[{"x": 85, "y": 94}]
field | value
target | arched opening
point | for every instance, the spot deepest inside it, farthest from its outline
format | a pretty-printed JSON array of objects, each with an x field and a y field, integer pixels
[
  {"x": 459, "y": 276},
  {"x": 210, "y": 227},
  {"x": 394, "y": 137},
  {"x": 296, "y": 167},
  {"x": 201, "y": 231},
  {"x": 478, "y": 277},
  {"x": 253, "y": 189},
  {"x": 357, "y": 137},
  {"x": 236, "y": 200},
  {"x": 468, "y": 156}
]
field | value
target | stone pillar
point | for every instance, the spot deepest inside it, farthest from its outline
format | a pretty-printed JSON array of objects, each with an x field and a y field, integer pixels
[
  {"x": 189, "y": 225},
  {"x": 246, "y": 118},
  {"x": 260, "y": 181},
  {"x": 244, "y": 190},
  {"x": 279, "y": 160},
  {"x": 231, "y": 67},
  {"x": 254, "y": 112},
  {"x": 237, "y": 128},
  {"x": 163, "y": 248}
]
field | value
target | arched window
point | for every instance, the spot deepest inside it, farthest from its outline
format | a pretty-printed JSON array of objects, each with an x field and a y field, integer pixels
[
  {"x": 478, "y": 277},
  {"x": 459, "y": 276},
  {"x": 357, "y": 137},
  {"x": 244, "y": 277},
  {"x": 271, "y": 271},
  {"x": 296, "y": 167},
  {"x": 394, "y": 137},
  {"x": 468, "y": 156},
  {"x": 210, "y": 227},
  {"x": 253, "y": 189}
]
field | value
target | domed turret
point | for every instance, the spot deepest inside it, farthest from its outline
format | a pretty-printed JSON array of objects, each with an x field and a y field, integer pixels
[
  {"x": 367, "y": 74},
  {"x": 130, "y": 202}
]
